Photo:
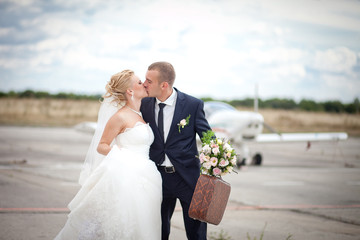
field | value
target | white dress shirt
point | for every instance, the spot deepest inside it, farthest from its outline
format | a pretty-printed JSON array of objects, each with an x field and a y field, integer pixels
[{"x": 168, "y": 112}]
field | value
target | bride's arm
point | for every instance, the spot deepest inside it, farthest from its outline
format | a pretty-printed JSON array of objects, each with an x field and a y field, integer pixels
[{"x": 112, "y": 129}]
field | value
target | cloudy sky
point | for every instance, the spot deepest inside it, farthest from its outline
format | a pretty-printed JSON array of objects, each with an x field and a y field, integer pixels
[{"x": 219, "y": 48}]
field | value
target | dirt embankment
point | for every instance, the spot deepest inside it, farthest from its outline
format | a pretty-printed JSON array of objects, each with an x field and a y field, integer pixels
[{"x": 54, "y": 112}]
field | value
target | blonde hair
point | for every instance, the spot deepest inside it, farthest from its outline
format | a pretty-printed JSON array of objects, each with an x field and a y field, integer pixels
[{"x": 118, "y": 85}]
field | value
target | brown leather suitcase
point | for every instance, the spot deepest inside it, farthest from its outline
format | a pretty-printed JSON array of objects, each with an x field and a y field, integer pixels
[{"x": 209, "y": 200}]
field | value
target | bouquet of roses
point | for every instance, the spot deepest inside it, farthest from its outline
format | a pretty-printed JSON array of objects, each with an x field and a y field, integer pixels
[{"x": 217, "y": 157}]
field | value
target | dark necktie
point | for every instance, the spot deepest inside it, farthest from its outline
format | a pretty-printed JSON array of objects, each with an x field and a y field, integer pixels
[
  {"x": 161, "y": 128},
  {"x": 161, "y": 120}
]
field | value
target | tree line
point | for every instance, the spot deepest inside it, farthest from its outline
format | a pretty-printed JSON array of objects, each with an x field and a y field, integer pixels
[
  {"x": 304, "y": 104},
  {"x": 275, "y": 103},
  {"x": 42, "y": 94}
]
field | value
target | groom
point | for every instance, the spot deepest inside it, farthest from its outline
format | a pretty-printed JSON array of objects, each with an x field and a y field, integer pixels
[{"x": 174, "y": 149}]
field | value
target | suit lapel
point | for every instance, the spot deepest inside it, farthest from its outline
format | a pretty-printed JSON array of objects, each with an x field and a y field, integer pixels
[{"x": 179, "y": 107}]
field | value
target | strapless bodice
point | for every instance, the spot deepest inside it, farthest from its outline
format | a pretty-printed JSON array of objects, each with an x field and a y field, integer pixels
[{"x": 137, "y": 139}]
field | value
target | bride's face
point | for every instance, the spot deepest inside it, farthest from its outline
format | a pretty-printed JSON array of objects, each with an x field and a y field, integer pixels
[{"x": 138, "y": 88}]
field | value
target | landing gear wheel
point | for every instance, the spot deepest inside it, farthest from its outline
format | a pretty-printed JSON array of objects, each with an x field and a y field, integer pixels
[
  {"x": 257, "y": 159},
  {"x": 240, "y": 163}
]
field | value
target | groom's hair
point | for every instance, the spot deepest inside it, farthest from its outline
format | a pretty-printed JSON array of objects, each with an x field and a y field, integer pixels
[{"x": 166, "y": 70}]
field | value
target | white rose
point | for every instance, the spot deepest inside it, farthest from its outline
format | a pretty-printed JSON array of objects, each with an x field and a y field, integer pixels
[
  {"x": 224, "y": 173},
  {"x": 228, "y": 147},
  {"x": 229, "y": 169},
  {"x": 183, "y": 122},
  {"x": 207, "y": 165},
  {"x": 204, "y": 171},
  {"x": 206, "y": 149},
  {"x": 233, "y": 161}
]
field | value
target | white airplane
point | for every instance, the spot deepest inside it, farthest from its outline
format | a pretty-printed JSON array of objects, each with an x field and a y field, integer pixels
[{"x": 241, "y": 127}]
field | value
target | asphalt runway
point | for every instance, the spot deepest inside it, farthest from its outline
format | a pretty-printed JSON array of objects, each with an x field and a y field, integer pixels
[{"x": 296, "y": 193}]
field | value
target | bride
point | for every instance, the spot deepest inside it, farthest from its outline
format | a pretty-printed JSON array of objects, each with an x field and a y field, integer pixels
[{"x": 120, "y": 195}]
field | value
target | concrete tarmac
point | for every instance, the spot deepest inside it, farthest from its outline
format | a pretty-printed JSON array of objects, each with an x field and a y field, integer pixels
[{"x": 296, "y": 194}]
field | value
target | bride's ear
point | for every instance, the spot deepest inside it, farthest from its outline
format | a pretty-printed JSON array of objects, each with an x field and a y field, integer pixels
[{"x": 130, "y": 92}]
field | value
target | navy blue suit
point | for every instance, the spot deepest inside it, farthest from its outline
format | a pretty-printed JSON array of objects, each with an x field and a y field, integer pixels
[{"x": 182, "y": 151}]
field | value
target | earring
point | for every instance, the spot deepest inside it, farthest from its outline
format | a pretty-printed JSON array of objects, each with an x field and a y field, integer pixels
[{"x": 132, "y": 97}]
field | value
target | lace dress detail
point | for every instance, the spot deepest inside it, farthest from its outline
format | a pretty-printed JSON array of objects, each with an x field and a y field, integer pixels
[{"x": 122, "y": 197}]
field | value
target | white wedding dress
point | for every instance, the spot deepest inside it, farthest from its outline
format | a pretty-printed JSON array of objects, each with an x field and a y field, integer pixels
[{"x": 121, "y": 198}]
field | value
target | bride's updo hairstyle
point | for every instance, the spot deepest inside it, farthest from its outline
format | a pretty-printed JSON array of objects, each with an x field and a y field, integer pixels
[{"x": 118, "y": 85}]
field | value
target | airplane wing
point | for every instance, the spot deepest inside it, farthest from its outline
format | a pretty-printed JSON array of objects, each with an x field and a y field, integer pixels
[
  {"x": 301, "y": 137},
  {"x": 242, "y": 127},
  {"x": 88, "y": 127}
]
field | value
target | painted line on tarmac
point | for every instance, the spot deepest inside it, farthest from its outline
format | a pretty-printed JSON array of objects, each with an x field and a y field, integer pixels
[
  {"x": 353, "y": 183},
  {"x": 260, "y": 207},
  {"x": 284, "y": 183},
  {"x": 34, "y": 210},
  {"x": 286, "y": 207}
]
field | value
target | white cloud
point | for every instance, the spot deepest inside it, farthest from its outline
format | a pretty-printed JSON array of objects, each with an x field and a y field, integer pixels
[
  {"x": 340, "y": 86},
  {"x": 276, "y": 55},
  {"x": 5, "y": 31},
  {"x": 290, "y": 72},
  {"x": 338, "y": 60},
  {"x": 218, "y": 49},
  {"x": 53, "y": 44},
  {"x": 330, "y": 13}
]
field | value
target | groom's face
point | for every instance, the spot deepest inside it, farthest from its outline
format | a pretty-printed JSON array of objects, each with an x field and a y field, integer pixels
[{"x": 152, "y": 84}]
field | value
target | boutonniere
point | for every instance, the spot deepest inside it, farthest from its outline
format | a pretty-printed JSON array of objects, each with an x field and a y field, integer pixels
[{"x": 183, "y": 123}]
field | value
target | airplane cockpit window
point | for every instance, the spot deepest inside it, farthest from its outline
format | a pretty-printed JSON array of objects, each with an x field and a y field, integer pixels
[{"x": 212, "y": 107}]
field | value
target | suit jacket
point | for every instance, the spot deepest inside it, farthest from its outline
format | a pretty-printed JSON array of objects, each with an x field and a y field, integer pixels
[{"x": 179, "y": 147}]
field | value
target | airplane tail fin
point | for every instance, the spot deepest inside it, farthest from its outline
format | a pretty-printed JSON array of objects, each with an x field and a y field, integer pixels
[{"x": 256, "y": 102}]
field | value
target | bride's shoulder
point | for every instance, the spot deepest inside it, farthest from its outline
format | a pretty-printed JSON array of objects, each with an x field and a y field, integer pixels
[
  {"x": 120, "y": 115},
  {"x": 117, "y": 119}
]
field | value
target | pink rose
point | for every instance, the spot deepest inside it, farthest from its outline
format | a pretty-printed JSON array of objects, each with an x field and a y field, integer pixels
[
  {"x": 216, "y": 171},
  {"x": 213, "y": 161},
  {"x": 215, "y": 151},
  {"x": 213, "y": 145},
  {"x": 224, "y": 163}
]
